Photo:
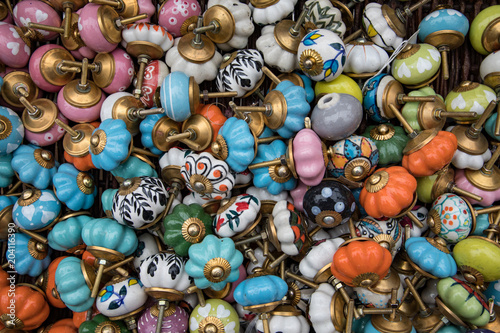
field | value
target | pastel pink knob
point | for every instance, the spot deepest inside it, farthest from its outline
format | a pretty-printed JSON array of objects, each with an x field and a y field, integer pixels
[
  {"x": 79, "y": 114},
  {"x": 35, "y": 69},
  {"x": 52, "y": 135},
  {"x": 174, "y": 13},
  {"x": 90, "y": 30},
  {"x": 489, "y": 197},
  {"x": 123, "y": 74},
  {"x": 14, "y": 51},
  {"x": 37, "y": 12},
  {"x": 297, "y": 195},
  {"x": 308, "y": 157}
]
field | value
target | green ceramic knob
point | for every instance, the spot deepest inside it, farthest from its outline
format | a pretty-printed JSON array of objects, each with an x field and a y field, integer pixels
[
  {"x": 390, "y": 141},
  {"x": 216, "y": 316},
  {"x": 469, "y": 96},
  {"x": 186, "y": 226},
  {"x": 101, "y": 323},
  {"x": 424, "y": 188},
  {"x": 481, "y": 254},
  {"x": 343, "y": 84},
  {"x": 463, "y": 301},
  {"x": 483, "y": 31},
  {"x": 410, "y": 110},
  {"x": 416, "y": 65}
]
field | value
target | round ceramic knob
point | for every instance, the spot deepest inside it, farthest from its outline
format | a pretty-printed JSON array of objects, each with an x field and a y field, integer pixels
[
  {"x": 354, "y": 158},
  {"x": 175, "y": 319},
  {"x": 469, "y": 96},
  {"x": 79, "y": 105},
  {"x": 31, "y": 257},
  {"x": 329, "y": 204},
  {"x": 37, "y": 12},
  {"x": 321, "y": 55},
  {"x": 165, "y": 271},
  {"x": 390, "y": 141},
  {"x": 478, "y": 255},
  {"x": 269, "y": 12},
  {"x": 156, "y": 37},
  {"x": 44, "y": 205},
  {"x": 114, "y": 72},
  {"x": 216, "y": 316},
  {"x": 451, "y": 218},
  {"x": 285, "y": 318},
  {"x": 378, "y": 28},
  {"x": 374, "y": 102},
  {"x": 431, "y": 256},
  {"x": 175, "y": 97},
  {"x": 16, "y": 51},
  {"x": 241, "y": 71},
  {"x": 490, "y": 192},
  {"x": 40, "y": 127},
  {"x": 66, "y": 235},
  {"x": 154, "y": 74},
  {"x": 310, "y": 164},
  {"x": 174, "y": 15},
  {"x": 11, "y": 131},
  {"x": 372, "y": 228},
  {"x": 336, "y": 116},
  {"x": 324, "y": 15},
  {"x": 489, "y": 70},
  {"x": 483, "y": 35},
  {"x": 6, "y": 172},
  {"x": 236, "y": 215},
  {"x": 110, "y": 144},
  {"x": 416, "y": 65},
  {"x": 121, "y": 296},
  {"x": 318, "y": 256},
  {"x": 424, "y": 115},
  {"x": 43, "y": 67},
  {"x": 35, "y": 166},
  {"x": 74, "y": 188},
  {"x": 364, "y": 58}
]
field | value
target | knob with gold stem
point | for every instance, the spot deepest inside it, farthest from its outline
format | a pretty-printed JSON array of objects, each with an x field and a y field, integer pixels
[
  {"x": 18, "y": 85},
  {"x": 77, "y": 138},
  {"x": 68, "y": 7},
  {"x": 197, "y": 133},
  {"x": 490, "y": 73},
  {"x": 126, "y": 8},
  {"x": 81, "y": 99}
]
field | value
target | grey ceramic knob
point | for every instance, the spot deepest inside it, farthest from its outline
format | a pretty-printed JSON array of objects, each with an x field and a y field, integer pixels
[{"x": 336, "y": 116}]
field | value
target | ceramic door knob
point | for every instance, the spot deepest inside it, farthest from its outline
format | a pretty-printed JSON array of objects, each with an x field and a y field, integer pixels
[
  {"x": 121, "y": 296},
  {"x": 37, "y": 12},
  {"x": 45, "y": 205},
  {"x": 154, "y": 74},
  {"x": 482, "y": 30},
  {"x": 364, "y": 58},
  {"x": 469, "y": 96},
  {"x": 269, "y": 13},
  {"x": 74, "y": 291},
  {"x": 39, "y": 122},
  {"x": 175, "y": 319},
  {"x": 74, "y": 188},
  {"x": 11, "y": 131},
  {"x": 324, "y": 15},
  {"x": 174, "y": 16},
  {"x": 66, "y": 235},
  {"x": 416, "y": 65},
  {"x": 214, "y": 315},
  {"x": 166, "y": 271},
  {"x": 308, "y": 157},
  {"x": 432, "y": 256},
  {"x": 35, "y": 166},
  {"x": 32, "y": 308},
  {"x": 17, "y": 51},
  {"x": 31, "y": 257}
]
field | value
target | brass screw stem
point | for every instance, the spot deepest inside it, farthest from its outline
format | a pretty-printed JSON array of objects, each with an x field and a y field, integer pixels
[
  {"x": 228, "y": 94},
  {"x": 402, "y": 98},
  {"x": 269, "y": 139},
  {"x": 66, "y": 69},
  {"x": 423, "y": 308},
  {"x": 162, "y": 304},
  {"x": 264, "y": 164},
  {"x": 14, "y": 188},
  {"x": 465, "y": 193},
  {"x": 143, "y": 61},
  {"x": 350, "y": 316},
  {"x": 491, "y": 234},
  {"x": 302, "y": 280},
  {"x": 440, "y": 113},
  {"x": 265, "y": 321},
  {"x": 412, "y": 133},
  {"x": 197, "y": 43},
  {"x": 45, "y": 27},
  {"x": 488, "y": 210},
  {"x": 265, "y": 108},
  {"x": 414, "y": 281},
  {"x": 337, "y": 284},
  {"x": 371, "y": 311},
  {"x": 497, "y": 123},
  {"x": 437, "y": 327},
  {"x": 143, "y": 113},
  {"x": 111, "y": 3},
  {"x": 248, "y": 240},
  {"x": 123, "y": 22},
  {"x": 488, "y": 167},
  {"x": 417, "y": 5},
  {"x": 213, "y": 26},
  {"x": 295, "y": 29},
  {"x": 79, "y": 64},
  {"x": 98, "y": 278},
  {"x": 353, "y": 36},
  {"x": 83, "y": 85},
  {"x": 34, "y": 235},
  {"x": 174, "y": 190},
  {"x": 444, "y": 61},
  {"x": 394, "y": 303},
  {"x": 68, "y": 9},
  {"x": 33, "y": 111},
  {"x": 180, "y": 136},
  {"x": 475, "y": 129},
  {"x": 21, "y": 90},
  {"x": 143, "y": 152},
  {"x": 118, "y": 264},
  {"x": 278, "y": 260},
  {"x": 249, "y": 254},
  {"x": 75, "y": 135},
  {"x": 414, "y": 219},
  {"x": 271, "y": 75}
]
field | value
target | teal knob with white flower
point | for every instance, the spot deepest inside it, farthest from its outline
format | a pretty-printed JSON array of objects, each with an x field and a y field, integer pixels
[
  {"x": 416, "y": 65},
  {"x": 121, "y": 296},
  {"x": 214, "y": 262},
  {"x": 11, "y": 131},
  {"x": 74, "y": 188},
  {"x": 6, "y": 171},
  {"x": 469, "y": 96},
  {"x": 36, "y": 209},
  {"x": 110, "y": 144},
  {"x": 321, "y": 55},
  {"x": 215, "y": 316},
  {"x": 34, "y": 166}
]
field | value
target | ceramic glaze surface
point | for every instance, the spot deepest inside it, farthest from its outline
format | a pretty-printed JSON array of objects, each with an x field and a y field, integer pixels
[
  {"x": 133, "y": 167},
  {"x": 455, "y": 215},
  {"x": 238, "y": 214},
  {"x": 67, "y": 234},
  {"x": 325, "y": 16},
  {"x": 417, "y": 67},
  {"x": 110, "y": 234},
  {"x": 79, "y": 114},
  {"x": 164, "y": 270},
  {"x": 297, "y": 109},
  {"x": 273, "y": 13},
  {"x": 16, "y": 53},
  {"x": 176, "y": 322},
  {"x": 90, "y": 30},
  {"x": 443, "y": 19},
  {"x": 118, "y": 299},
  {"x": 479, "y": 24},
  {"x": 377, "y": 28},
  {"x": 30, "y": 171},
  {"x": 274, "y": 55},
  {"x": 24, "y": 262},
  {"x": 354, "y": 147},
  {"x": 174, "y": 96},
  {"x": 154, "y": 74},
  {"x": 223, "y": 312},
  {"x": 364, "y": 57},
  {"x": 71, "y": 285},
  {"x": 172, "y": 14},
  {"x": 373, "y": 91},
  {"x": 15, "y": 139},
  {"x": 240, "y": 143},
  {"x": 39, "y": 214},
  {"x": 117, "y": 144},
  {"x": 37, "y": 12},
  {"x": 308, "y": 157},
  {"x": 370, "y": 227},
  {"x": 68, "y": 185},
  {"x": 429, "y": 258},
  {"x": 474, "y": 97},
  {"x": 260, "y": 290},
  {"x": 479, "y": 254},
  {"x": 290, "y": 228},
  {"x": 50, "y": 136},
  {"x": 124, "y": 72}
]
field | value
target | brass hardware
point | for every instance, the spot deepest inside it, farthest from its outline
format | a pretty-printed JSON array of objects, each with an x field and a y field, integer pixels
[
  {"x": 164, "y": 128},
  {"x": 489, "y": 39},
  {"x": 37, "y": 249},
  {"x": 49, "y": 66},
  {"x": 382, "y": 132},
  {"x": 193, "y": 230},
  {"x": 44, "y": 158},
  {"x": 288, "y": 33},
  {"x": 488, "y": 177},
  {"x": 77, "y": 140},
  {"x": 11, "y": 323},
  {"x": 5, "y": 127},
  {"x": 211, "y": 324},
  {"x": 126, "y": 8},
  {"x": 129, "y": 186},
  {"x": 377, "y": 181},
  {"x": 365, "y": 280},
  {"x": 98, "y": 142},
  {"x": 18, "y": 84},
  {"x": 28, "y": 197},
  {"x": 219, "y": 24},
  {"x": 85, "y": 183},
  {"x": 197, "y": 133},
  {"x": 263, "y": 3},
  {"x": 40, "y": 115},
  {"x": 311, "y": 62},
  {"x": 328, "y": 219},
  {"x": 217, "y": 270}
]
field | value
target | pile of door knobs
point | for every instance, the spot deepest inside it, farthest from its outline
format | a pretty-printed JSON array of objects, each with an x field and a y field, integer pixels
[{"x": 320, "y": 185}]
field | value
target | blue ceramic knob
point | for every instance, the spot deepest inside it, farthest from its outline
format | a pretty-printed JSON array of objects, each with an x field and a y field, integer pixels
[
  {"x": 6, "y": 171},
  {"x": 260, "y": 290},
  {"x": 482, "y": 222},
  {"x": 34, "y": 166},
  {"x": 432, "y": 256},
  {"x": 11, "y": 131},
  {"x": 155, "y": 129},
  {"x": 107, "y": 201},
  {"x": 110, "y": 144},
  {"x": 6, "y": 205},
  {"x": 28, "y": 256},
  {"x": 297, "y": 108},
  {"x": 146, "y": 127},
  {"x": 174, "y": 96},
  {"x": 74, "y": 188},
  {"x": 134, "y": 167},
  {"x": 276, "y": 178},
  {"x": 214, "y": 262},
  {"x": 489, "y": 126},
  {"x": 36, "y": 209},
  {"x": 373, "y": 101},
  {"x": 444, "y": 23},
  {"x": 67, "y": 234},
  {"x": 235, "y": 144},
  {"x": 308, "y": 86},
  {"x": 111, "y": 235},
  {"x": 71, "y": 284}
]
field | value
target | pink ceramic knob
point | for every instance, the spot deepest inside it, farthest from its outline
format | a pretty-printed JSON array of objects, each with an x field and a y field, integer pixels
[
  {"x": 177, "y": 322},
  {"x": 146, "y": 7},
  {"x": 173, "y": 14},
  {"x": 297, "y": 195},
  {"x": 489, "y": 197},
  {"x": 52, "y": 135},
  {"x": 90, "y": 30},
  {"x": 308, "y": 157},
  {"x": 123, "y": 74},
  {"x": 14, "y": 51},
  {"x": 154, "y": 74},
  {"x": 35, "y": 70},
  {"x": 84, "y": 52},
  {"x": 79, "y": 114},
  {"x": 37, "y": 12}
]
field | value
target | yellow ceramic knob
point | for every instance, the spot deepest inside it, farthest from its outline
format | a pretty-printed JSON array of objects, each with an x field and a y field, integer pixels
[
  {"x": 341, "y": 85},
  {"x": 484, "y": 29}
]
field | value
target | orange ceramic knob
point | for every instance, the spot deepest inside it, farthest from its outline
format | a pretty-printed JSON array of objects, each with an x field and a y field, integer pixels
[
  {"x": 215, "y": 117},
  {"x": 62, "y": 326},
  {"x": 388, "y": 192},
  {"x": 31, "y": 308},
  {"x": 432, "y": 157},
  {"x": 361, "y": 262},
  {"x": 81, "y": 163},
  {"x": 49, "y": 284},
  {"x": 3, "y": 278}
]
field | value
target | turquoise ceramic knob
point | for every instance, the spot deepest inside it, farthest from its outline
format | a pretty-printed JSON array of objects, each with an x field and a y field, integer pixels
[
  {"x": 28, "y": 256},
  {"x": 214, "y": 262},
  {"x": 260, "y": 290},
  {"x": 174, "y": 96},
  {"x": 235, "y": 144},
  {"x": 36, "y": 209},
  {"x": 445, "y": 29},
  {"x": 6, "y": 171},
  {"x": 155, "y": 129},
  {"x": 11, "y": 131},
  {"x": 375, "y": 96},
  {"x": 277, "y": 178},
  {"x": 74, "y": 188},
  {"x": 109, "y": 234},
  {"x": 34, "y": 166},
  {"x": 6, "y": 205},
  {"x": 72, "y": 285},
  {"x": 134, "y": 167},
  {"x": 321, "y": 55},
  {"x": 107, "y": 201},
  {"x": 110, "y": 144},
  {"x": 432, "y": 256},
  {"x": 67, "y": 234},
  {"x": 121, "y": 296},
  {"x": 482, "y": 222}
]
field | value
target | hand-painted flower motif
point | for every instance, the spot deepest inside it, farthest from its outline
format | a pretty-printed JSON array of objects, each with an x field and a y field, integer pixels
[
  {"x": 164, "y": 270},
  {"x": 121, "y": 296},
  {"x": 290, "y": 228},
  {"x": 207, "y": 176},
  {"x": 236, "y": 215}
]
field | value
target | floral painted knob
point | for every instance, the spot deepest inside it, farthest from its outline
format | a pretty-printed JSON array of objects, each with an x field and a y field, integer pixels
[
  {"x": 154, "y": 74},
  {"x": 207, "y": 176},
  {"x": 11, "y": 131},
  {"x": 482, "y": 30},
  {"x": 35, "y": 166},
  {"x": 74, "y": 188},
  {"x": 164, "y": 272},
  {"x": 236, "y": 215},
  {"x": 377, "y": 229},
  {"x": 430, "y": 257},
  {"x": 110, "y": 144},
  {"x": 214, "y": 268},
  {"x": 185, "y": 226},
  {"x": 38, "y": 12},
  {"x": 140, "y": 202},
  {"x": 321, "y": 55},
  {"x": 324, "y": 15},
  {"x": 174, "y": 16},
  {"x": 364, "y": 58},
  {"x": 416, "y": 65},
  {"x": 241, "y": 71},
  {"x": 355, "y": 158},
  {"x": 215, "y": 316}
]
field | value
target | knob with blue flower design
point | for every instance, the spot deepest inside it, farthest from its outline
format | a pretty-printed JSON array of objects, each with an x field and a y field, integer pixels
[
  {"x": 74, "y": 188},
  {"x": 11, "y": 131},
  {"x": 445, "y": 29},
  {"x": 74, "y": 279},
  {"x": 34, "y": 166}
]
